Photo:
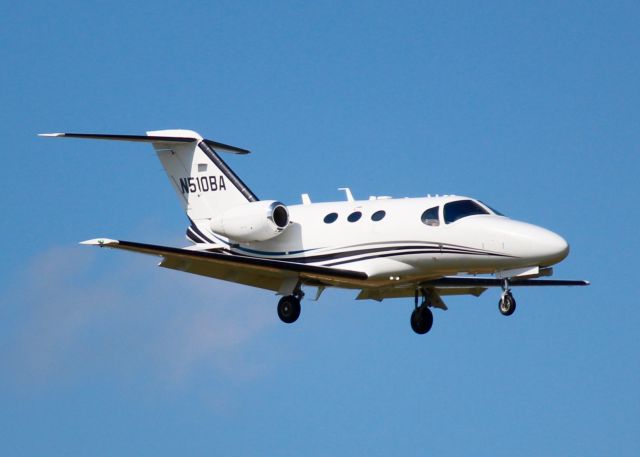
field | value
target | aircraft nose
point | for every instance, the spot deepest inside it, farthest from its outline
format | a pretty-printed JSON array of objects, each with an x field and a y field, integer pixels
[
  {"x": 536, "y": 244},
  {"x": 552, "y": 247}
]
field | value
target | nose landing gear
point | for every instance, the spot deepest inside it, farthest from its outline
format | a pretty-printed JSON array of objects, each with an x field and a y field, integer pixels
[{"x": 507, "y": 304}]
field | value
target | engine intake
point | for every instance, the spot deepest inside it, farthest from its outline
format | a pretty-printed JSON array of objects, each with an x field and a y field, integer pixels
[{"x": 255, "y": 221}]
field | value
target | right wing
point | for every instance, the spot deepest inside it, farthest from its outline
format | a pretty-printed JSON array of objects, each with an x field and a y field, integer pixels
[
  {"x": 251, "y": 271},
  {"x": 454, "y": 281},
  {"x": 459, "y": 285}
]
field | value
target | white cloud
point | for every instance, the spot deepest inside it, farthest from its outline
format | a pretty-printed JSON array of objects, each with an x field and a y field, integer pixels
[{"x": 75, "y": 313}]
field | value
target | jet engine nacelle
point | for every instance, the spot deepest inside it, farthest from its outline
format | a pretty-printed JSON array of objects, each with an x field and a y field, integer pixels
[{"x": 255, "y": 221}]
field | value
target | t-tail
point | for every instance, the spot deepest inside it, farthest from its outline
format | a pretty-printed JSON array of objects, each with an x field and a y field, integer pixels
[{"x": 205, "y": 185}]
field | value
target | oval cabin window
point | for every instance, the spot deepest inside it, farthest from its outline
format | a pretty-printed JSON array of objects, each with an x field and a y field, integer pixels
[
  {"x": 330, "y": 218},
  {"x": 378, "y": 216},
  {"x": 355, "y": 216}
]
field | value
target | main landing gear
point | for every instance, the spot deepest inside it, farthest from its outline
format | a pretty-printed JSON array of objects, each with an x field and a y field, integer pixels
[
  {"x": 289, "y": 307},
  {"x": 421, "y": 317},
  {"x": 507, "y": 304}
]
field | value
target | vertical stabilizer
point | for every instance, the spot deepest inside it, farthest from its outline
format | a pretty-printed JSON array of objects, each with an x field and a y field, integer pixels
[{"x": 204, "y": 183}]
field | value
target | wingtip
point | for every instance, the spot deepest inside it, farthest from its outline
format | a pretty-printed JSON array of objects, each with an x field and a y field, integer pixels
[
  {"x": 50, "y": 134},
  {"x": 100, "y": 242}
]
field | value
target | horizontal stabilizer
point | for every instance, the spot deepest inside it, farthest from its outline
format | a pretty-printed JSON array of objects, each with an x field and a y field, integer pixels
[{"x": 150, "y": 139}]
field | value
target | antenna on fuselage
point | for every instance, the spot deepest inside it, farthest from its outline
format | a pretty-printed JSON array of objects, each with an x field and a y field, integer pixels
[{"x": 348, "y": 193}]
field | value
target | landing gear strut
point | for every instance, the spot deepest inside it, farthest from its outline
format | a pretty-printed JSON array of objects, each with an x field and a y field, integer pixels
[
  {"x": 421, "y": 317},
  {"x": 507, "y": 304}
]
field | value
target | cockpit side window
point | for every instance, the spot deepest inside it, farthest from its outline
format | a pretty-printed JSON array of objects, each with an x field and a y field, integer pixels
[
  {"x": 430, "y": 217},
  {"x": 454, "y": 211}
]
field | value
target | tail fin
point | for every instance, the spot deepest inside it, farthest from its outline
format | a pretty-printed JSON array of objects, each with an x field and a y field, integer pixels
[{"x": 204, "y": 183}]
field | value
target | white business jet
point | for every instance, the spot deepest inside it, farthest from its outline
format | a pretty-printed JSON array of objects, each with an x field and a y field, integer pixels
[{"x": 424, "y": 248}]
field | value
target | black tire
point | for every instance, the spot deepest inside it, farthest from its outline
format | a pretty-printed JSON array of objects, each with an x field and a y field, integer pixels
[
  {"x": 421, "y": 320},
  {"x": 507, "y": 304},
  {"x": 289, "y": 309}
]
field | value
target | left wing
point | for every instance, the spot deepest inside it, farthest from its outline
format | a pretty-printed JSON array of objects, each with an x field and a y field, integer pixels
[{"x": 251, "y": 271}]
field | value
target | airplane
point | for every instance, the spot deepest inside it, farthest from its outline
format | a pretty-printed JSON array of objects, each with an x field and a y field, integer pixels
[{"x": 423, "y": 248}]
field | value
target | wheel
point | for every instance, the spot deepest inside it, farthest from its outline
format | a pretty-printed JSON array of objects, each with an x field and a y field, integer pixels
[
  {"x": 421, "y": 320},
  {"x": 507, "y": 304},
  {"x": 289, "y": 309}
]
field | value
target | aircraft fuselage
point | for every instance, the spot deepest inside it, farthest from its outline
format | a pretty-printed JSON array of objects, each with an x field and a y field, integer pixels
[{"x": 399, "y": 243}]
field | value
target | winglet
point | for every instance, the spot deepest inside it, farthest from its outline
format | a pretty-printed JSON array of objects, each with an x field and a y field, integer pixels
[{"x": 100, "y": 242}]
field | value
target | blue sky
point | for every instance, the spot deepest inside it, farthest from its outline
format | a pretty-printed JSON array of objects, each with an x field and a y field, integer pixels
[{"x": 530, "y": 106}]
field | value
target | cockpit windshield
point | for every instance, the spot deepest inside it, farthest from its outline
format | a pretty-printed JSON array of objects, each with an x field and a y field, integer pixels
[
  {"x": 454, "y": 211},
  {"x": 495, "y": 211}
]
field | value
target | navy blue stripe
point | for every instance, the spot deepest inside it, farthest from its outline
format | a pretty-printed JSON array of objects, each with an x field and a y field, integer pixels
[
  {"x": 425, "y": 248},
  {"x": 192, "y": 236},
  {"x": 385, "y": 252},
  {"x": 336, "y": 255},
  {"x": 198, "y": 232},
  {"x": 422, "y": 251}
]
